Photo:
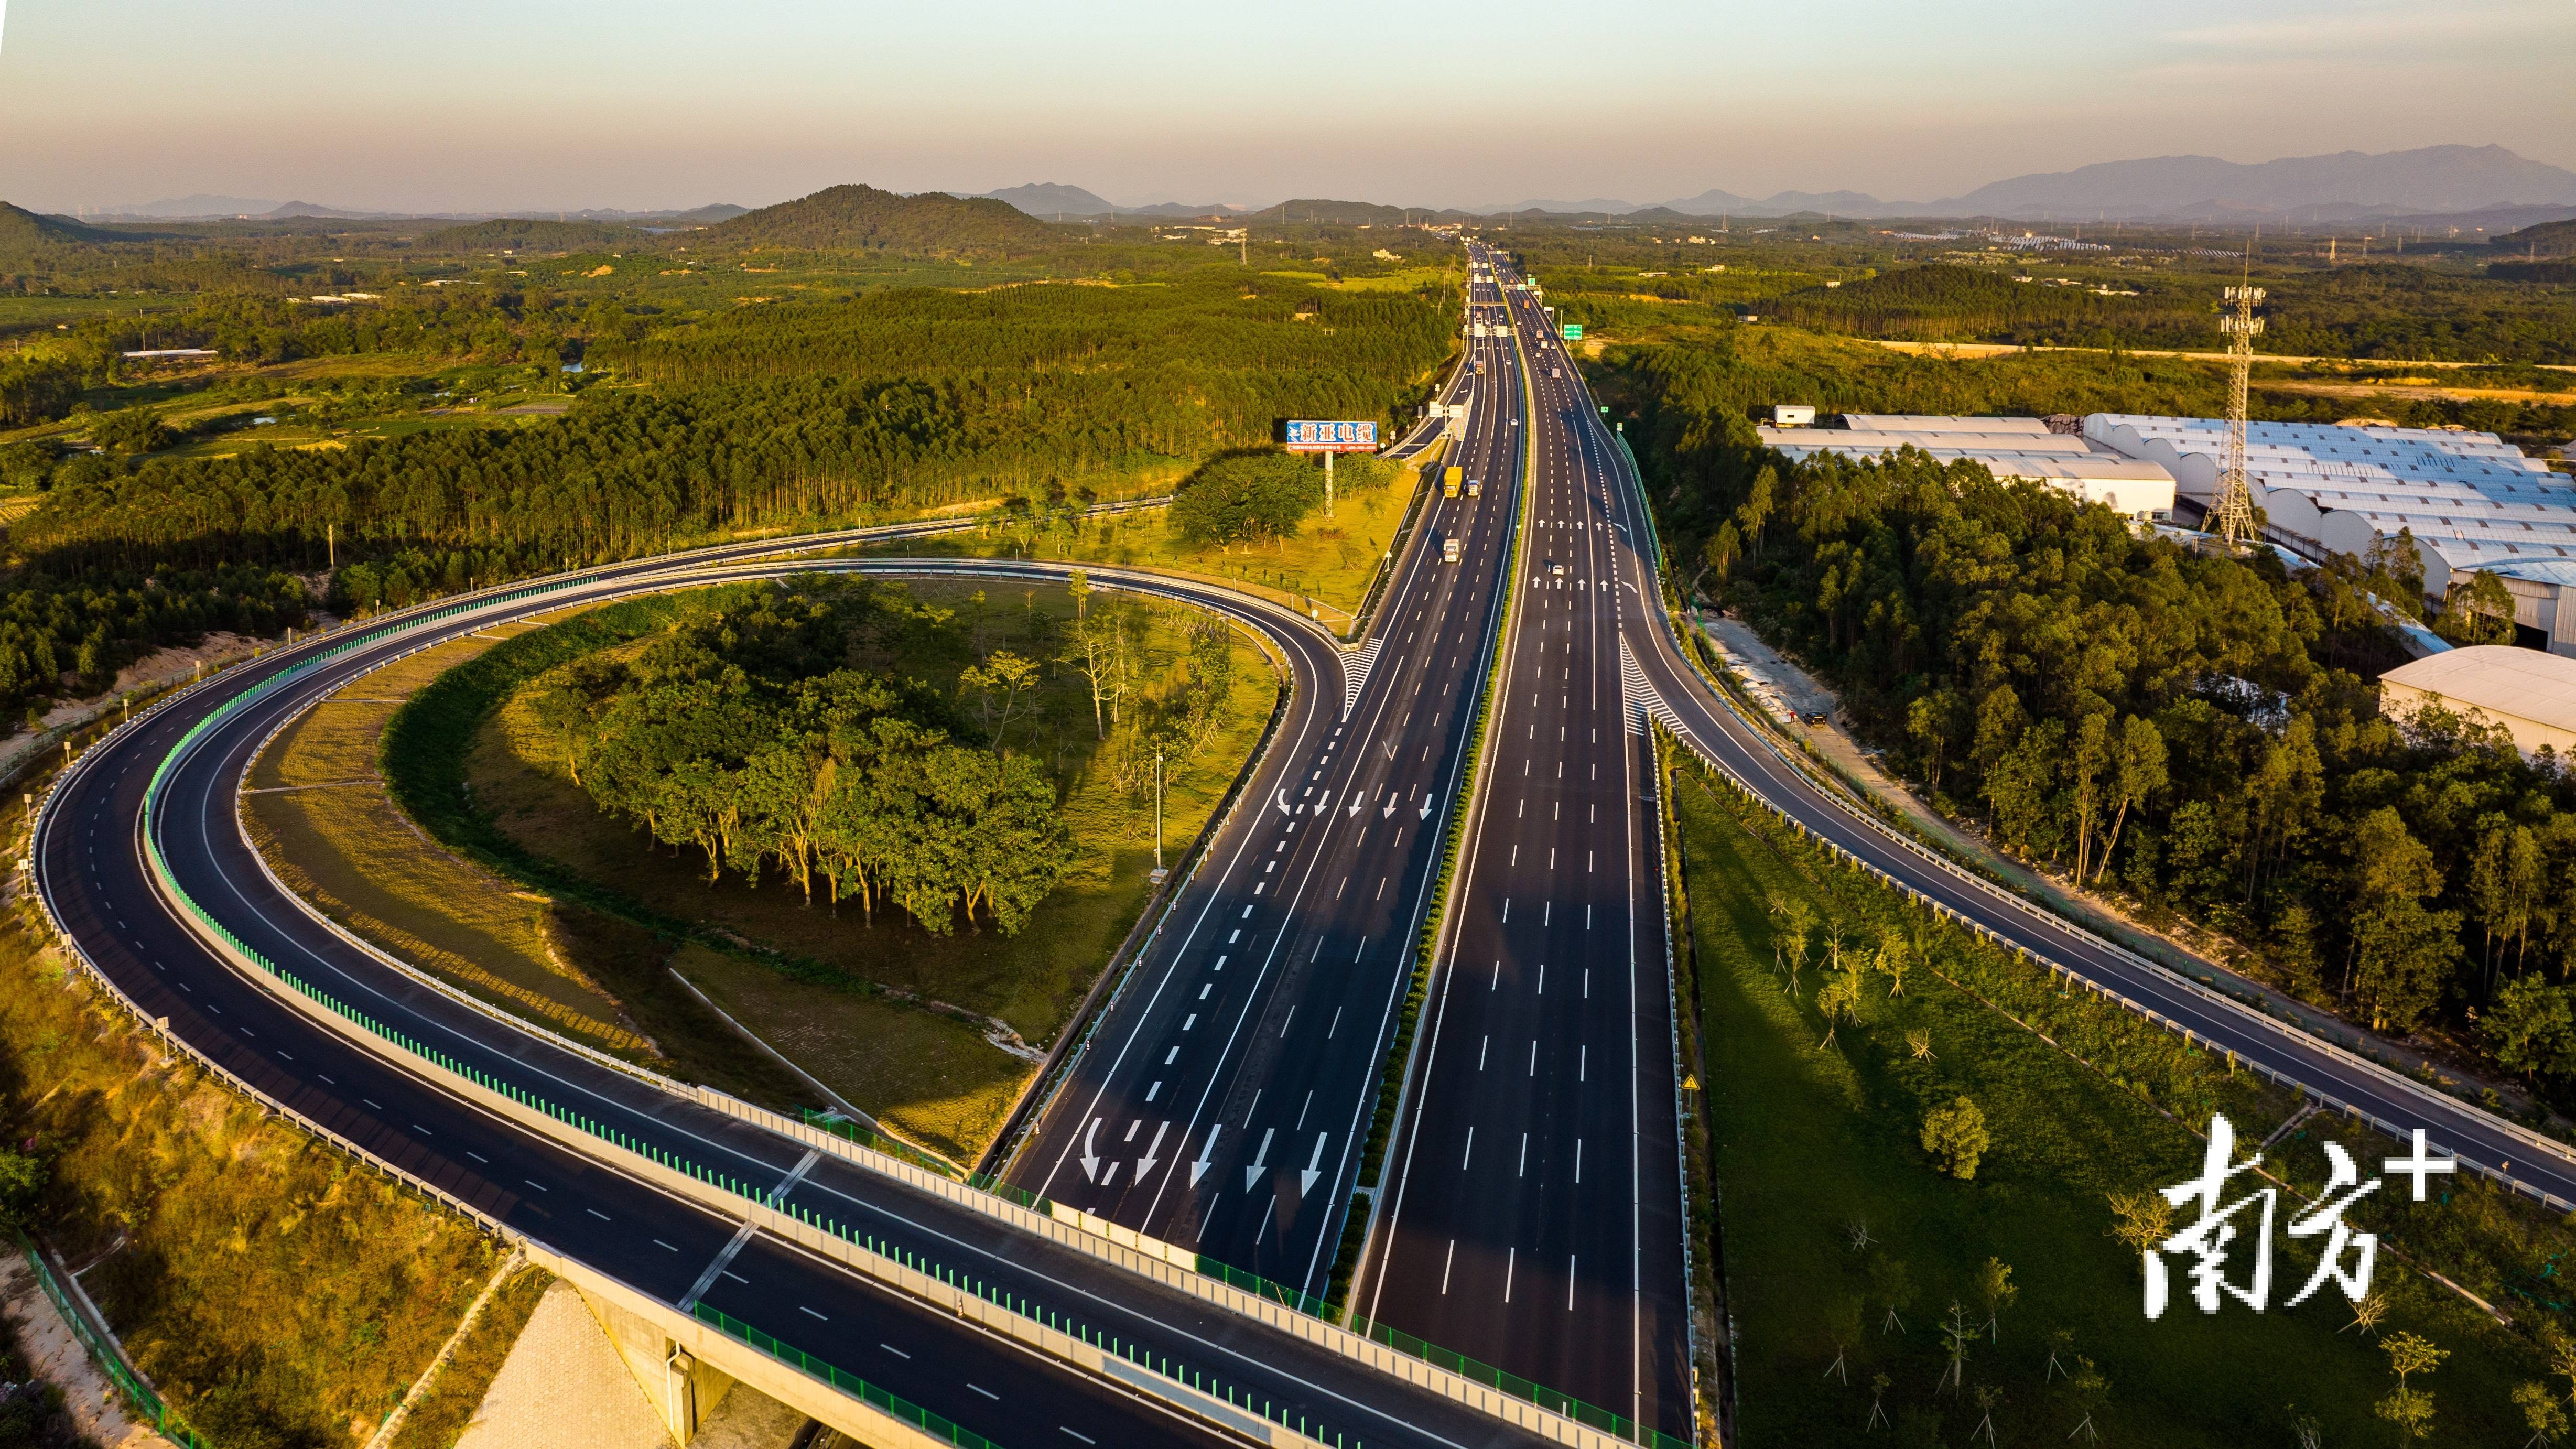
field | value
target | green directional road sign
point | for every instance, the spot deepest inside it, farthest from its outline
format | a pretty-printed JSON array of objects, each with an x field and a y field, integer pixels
[{"x": 1573, "y": 331}]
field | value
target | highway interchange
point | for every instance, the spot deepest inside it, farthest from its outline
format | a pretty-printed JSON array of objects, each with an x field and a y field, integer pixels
[{"x": 1530, "y": 1214}]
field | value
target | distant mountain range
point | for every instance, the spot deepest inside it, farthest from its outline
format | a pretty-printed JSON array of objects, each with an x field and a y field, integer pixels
[
  {"x": 2346, "y": 186},
  {"x": 231, "y": 208},
  {"x": 1050, "y": 201}
]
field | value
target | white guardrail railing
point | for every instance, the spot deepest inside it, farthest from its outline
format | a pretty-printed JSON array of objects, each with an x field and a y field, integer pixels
[{"x": 1145, "y": 1257}]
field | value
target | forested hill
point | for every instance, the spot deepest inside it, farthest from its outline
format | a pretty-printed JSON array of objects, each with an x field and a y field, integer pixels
[
  {"x": 863, "y": 218},
  {"x": 23, "y": 231},
  {"x": 2549, "y": 239},
  {"x": 513, "y": 233}
]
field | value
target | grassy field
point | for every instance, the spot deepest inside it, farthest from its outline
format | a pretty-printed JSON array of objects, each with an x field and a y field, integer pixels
[
  {"x": 321, "y": 815},
  {"x": 278, "y": 1294},
  {"x": 929, "y": 1078},
  {"x": 1031, "y": 980},
  {"x": 1812, "y": 1145},
  {"x": 319, "y": 812},
  {"x": 1331, "y": 562}
]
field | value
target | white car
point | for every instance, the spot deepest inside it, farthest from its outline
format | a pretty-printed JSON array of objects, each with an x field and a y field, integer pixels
[{"x": 1556, "y": 570}]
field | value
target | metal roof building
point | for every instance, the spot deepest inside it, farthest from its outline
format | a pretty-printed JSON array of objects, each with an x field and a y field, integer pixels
[
  {"x": 2529, "y": 693},
  {"x": 2471, "y": 500},
  {"x": 2008, "y": 447}
]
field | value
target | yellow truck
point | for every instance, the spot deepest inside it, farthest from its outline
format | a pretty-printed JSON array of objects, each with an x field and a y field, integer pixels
[{"x": 1449, "y": 482}]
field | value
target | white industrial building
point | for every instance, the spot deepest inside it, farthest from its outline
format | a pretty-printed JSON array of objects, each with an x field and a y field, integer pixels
[
  {"x": 2008, "y": 447},
  {"x": 2532, "y": 695},
  {"x": 2471, "y": 500}
]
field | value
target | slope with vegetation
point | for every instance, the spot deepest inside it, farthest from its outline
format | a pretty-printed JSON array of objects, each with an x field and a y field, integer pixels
[{"x": 1937, "y": 1173}]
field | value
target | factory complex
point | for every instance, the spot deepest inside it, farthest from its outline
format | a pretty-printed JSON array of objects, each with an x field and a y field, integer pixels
[{"x": 2471, "y": 502}]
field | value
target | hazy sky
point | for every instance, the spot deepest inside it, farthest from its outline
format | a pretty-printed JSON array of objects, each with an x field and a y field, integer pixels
[{"x": 469, "y": 105}]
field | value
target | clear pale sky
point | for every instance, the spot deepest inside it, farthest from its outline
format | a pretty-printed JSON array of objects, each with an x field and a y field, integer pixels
[{"x": 470, "y": 105}]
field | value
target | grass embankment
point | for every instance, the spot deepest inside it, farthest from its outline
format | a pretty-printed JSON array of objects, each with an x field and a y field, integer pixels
[
  {"x": 318, "y": 809},
  {"x": 1331, "y": 561},
  {"x": 278, "y": 1294},
  {"x": 443, "y": 1411},
  {"x": 823, "y": 987},
  {"x": 1812, "y": 1144}
]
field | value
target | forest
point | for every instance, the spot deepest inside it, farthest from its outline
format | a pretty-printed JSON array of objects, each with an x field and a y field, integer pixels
[
  {"x": 682, "y": 416},
  {"x": 767, "y": 731},
  {"x": 2196, "y": 733}
]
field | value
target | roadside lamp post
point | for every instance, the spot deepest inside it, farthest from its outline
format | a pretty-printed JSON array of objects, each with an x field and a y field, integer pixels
[{"x": 1159, "y": 872}]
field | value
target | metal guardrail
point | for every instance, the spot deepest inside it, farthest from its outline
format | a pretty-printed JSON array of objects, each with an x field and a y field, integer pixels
[
  {"x": 110, "y": 1358},
  {"x": 891, "y": 1404}
]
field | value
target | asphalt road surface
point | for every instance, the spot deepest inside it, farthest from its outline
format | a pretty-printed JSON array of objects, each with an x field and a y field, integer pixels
[
  {"x": 1221, "y": 1101},
  {"x": 1535, "y": 1214},
  {"x": 90, "y": 866}
]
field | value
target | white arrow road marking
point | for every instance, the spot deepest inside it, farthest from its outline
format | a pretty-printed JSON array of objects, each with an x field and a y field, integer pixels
[
  {"x": 1306, "y": 1179},
  {"x": 1147, "y": 1165},
  {"x": 1426, "y": 804},
  {"x": 1353, "y": 809},
  {"x": 1389, "y": 811},
  {"x": 1322, "y": 800},
  {"x": 1090, "y": 1153},
  {"x": 1260, "y": 1160},
  {"x": 1283, "y": 802},
  {"x": 1207, "y": 1158}
]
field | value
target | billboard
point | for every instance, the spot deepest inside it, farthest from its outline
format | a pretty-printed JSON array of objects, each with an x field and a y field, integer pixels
[{"x": 1322, "y": 437}]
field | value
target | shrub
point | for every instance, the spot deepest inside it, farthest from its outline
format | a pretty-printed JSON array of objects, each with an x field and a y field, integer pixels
[
  {"x": 1956, "y": 1137},
  {"x": 1247, "y": 497}
]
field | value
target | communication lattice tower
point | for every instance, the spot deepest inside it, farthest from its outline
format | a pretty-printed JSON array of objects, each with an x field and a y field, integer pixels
[{"x": 2232, "y": 517}]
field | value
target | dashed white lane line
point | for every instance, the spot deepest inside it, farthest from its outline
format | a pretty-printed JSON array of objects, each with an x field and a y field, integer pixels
[
  {"x": 665, "y": 1247},
  {"x": 532, "y": 1182},
  {"x": 801, "y": 1308},
  {"x": 898, "y": 1353},
  {"x": 987, "y": 1393},
  {"x": 603, "y": 1217}
]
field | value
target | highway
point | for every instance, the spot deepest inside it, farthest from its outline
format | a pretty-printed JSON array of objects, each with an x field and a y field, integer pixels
[
  {"x": 596, "y": 1204},
  {"x": 1532, "y": 1209},
  {"x": 1473, "y": 1217},
  {"x": 1535, "y": 1213},
  {"x": 1221, "y": 1101}
]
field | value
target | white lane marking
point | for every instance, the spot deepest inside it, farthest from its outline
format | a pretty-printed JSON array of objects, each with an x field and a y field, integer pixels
[
  {"x": 898, "y": 1353},
  {"x": 801, "y": 1308},
  {"x": 603, "y": 1217},
  {"x": 532, "y": 1182},
  {"x": 987, "y": 1393}
]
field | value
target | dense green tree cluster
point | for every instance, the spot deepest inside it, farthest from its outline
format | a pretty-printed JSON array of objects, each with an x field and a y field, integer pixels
[
  {"x": 743, "y": 734},
  {"x": 83, "y": 631},
  {"x": 37, "y": 389},
  {"x": 1183, "y": 369},
  {"x": 2197, "y": 731},
  {"x": 1013, "y": 389}
]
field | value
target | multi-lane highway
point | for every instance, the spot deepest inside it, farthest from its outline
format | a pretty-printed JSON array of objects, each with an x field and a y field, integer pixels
[
  {"x": 1531, "y": 1213},
  {"x": 1534, "y": 1217},
  {"x": 601, "y": 1206},
  {"x": 1221, "y": 1102}
]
